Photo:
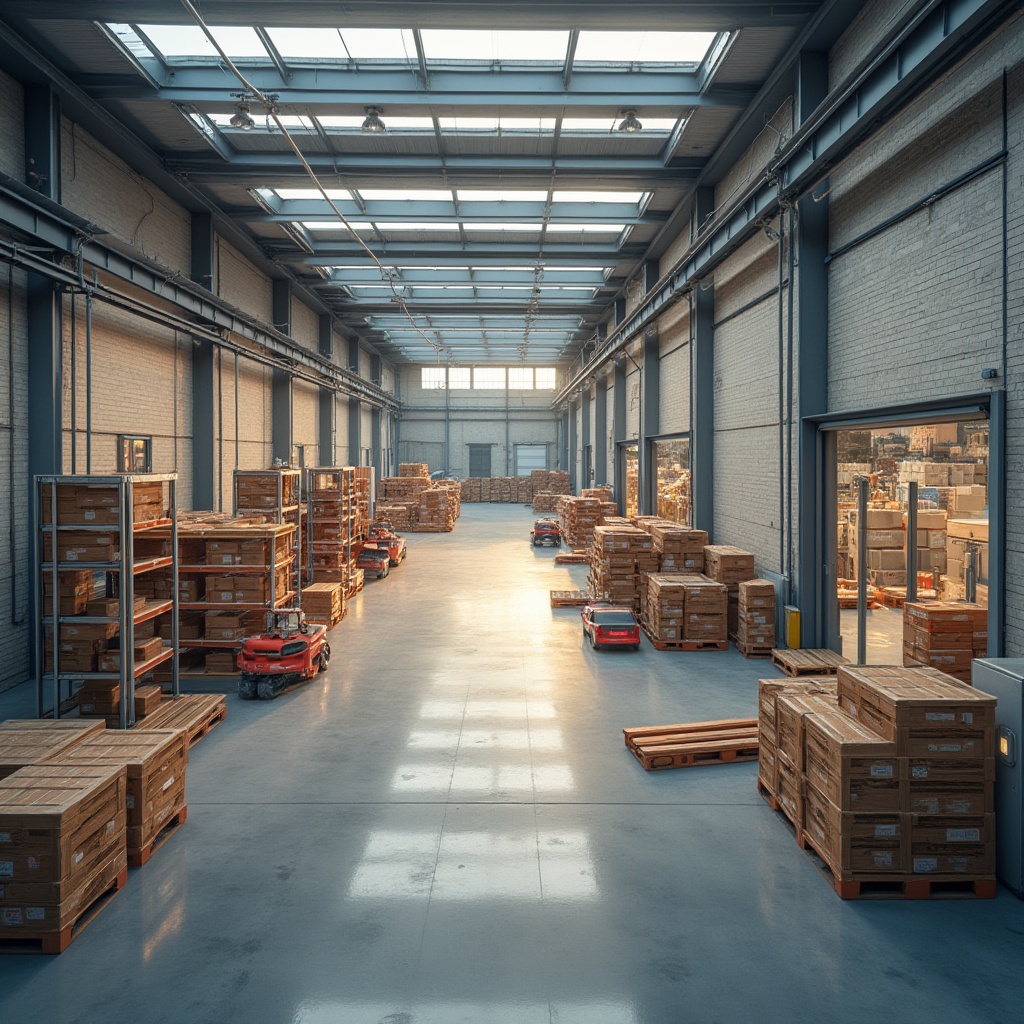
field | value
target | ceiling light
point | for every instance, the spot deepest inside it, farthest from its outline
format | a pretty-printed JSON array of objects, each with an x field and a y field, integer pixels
[
  {"x": 629, "y": 123},
  {"x": 373, "y": 123},
  {"x": 241, "y": 119}
]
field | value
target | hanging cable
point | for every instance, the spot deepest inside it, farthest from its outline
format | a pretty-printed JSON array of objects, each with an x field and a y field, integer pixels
[{"x": 272, "y": 111}]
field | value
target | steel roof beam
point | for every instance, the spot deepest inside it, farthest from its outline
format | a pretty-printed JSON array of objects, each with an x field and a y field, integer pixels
[
  {"x": 399, "y": 209},
  {"x": 437, "y": 253},
  {"x": 339, "y": 90},
  {"x": 456, "y": 275},
  {"x": 689, "y": 15}
]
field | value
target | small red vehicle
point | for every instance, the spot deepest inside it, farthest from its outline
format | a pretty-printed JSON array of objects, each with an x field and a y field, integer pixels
[
  {"x": 383, "y": 536},
  {"x": 374, "y": 561},
  {"x": 289, "y": 651},
  {"x": 609, "y": 626},
  {"x": 546, "y": 531}
]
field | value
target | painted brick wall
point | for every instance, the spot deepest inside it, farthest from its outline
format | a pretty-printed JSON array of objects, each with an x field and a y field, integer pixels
[
  {"x": 102, "y": 188},
  {"x": 633, "y": 398},
  {"x": 254, "y": 430},
  {"x": 875, "y": 20},
  {"x": 305, "y": 420},
  {"x": 12, "y": 127},
  {"x": 750, "y": 166},
  {"x": 241, "y": 283},
  {"x": 16, "y": 501},
  {"x": 674, "y": 369},
  {"x": 305, "y": 326},
  {"x": 341, "y": 453}
]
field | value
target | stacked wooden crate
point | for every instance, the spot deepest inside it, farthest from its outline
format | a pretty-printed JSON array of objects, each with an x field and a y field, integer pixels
[
  {"x": 603, "y": 493},
  {"x": 437, "y": 510},
  {"x": 704, "y": 611},
  {"x": 679, "y": 548},
  {"x": 499, "y": 489},
  {"x": 414, "y": 469},
  {"x": 155, "y": 761},
  {"x": 324, "y": 603},
  {"x": 470, "y": 489},
  {"x": 403, "y": 488},
  {"x": 331, "y": 494},
  {"x": 618, "y": 557},
  {"x": 930, "y": 540},
  {"x": 890, "y": 782},
  {"x": 966, "y": 538},
  {"x": 275, "y": 493},
  {"x": 400, "y": 515},
  {"x": 544, "y": 501},
  {"x": 63, "y": 846},
  {"x": 578, "y": 518},
  {"x": 361, "y": 502},
  {"x": 755, "y": 633},
  {"x": 731, "y": 566},
  {"x": 946, "y": 635},
  {"x": 884, "y": 541},
  {"x": 663, "y": 606},
  {"x": 550, "y": 481},
  {"x": 522, "y": 490}
]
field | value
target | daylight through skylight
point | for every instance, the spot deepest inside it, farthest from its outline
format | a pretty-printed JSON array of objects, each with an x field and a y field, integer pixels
[
  {"x": 644, "y": 47},
  {"x": 499, "y": 45}
]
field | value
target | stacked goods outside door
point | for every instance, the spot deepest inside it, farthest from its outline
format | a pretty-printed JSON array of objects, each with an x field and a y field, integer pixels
[{"x": 106, "y": 582}]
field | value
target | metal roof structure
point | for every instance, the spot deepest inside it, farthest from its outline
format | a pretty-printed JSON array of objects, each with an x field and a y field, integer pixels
[{"x": 497, "y": 173}]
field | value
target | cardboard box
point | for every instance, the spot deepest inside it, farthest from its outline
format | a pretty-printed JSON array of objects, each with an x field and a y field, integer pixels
[
  {"x": 791, "y": 709},
  {"x": 855, "y": 844},
  {"x": 727, "y": 564},
  {"x": 886, "y": 558}
]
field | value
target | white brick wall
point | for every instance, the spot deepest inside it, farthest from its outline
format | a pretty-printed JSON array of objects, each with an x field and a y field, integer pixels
[
  {"x": 305, "y": 420},
  {"x": 674, "y": 369},
  {"x": 102, "y": 188},
  {"x": 633, "y": 398},
  {"x": 16, "y": 503},
  {"x": 341, "y": 453},
  {"x": 241, "y": 283},
  {"x": 305, "y": 326},
  {"x": 12, "y": 127},
  {"x": 749, "y": 167},
  {"x": 255, "y": 436}
]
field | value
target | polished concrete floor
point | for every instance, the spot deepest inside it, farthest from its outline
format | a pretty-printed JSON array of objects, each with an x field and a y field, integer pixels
[{"x": 447, "y": 828}]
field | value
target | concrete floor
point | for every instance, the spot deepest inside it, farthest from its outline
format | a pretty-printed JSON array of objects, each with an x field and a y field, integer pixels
[{"x": 447, "y": 828}]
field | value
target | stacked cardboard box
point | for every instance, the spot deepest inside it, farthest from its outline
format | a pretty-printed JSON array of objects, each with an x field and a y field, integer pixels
[
  {"x": 603, "y": 494},
  {"x": 791, "y": 713},
  {"x": 33, "y": 741},
  {"x": 884, "y": 540},
  {"x": 437, "y": 510},
  {"x": 731, "y": 566},
  {"x": 414, "y": 469},
  {"x": 544, "y": 501},
  {"x": 756, "y": 610},
  {"x": 324, "y": 603},
  {"x": 64, "y": 844},
  {"x": 578, "y": 518},
  {"x": 680, "y": 549},
  {"x": 523, "y": 490},
  {"x": 331, "y": 497},
  {"x": 768, "y": 692},
  {"x": 400, "y": 514},
  {"x": 705, "y": 609},
  {"x": 943, "y": 735},
  {"x": 155, "y": 761},
  {"x": 470, "y": 489},
  {"x": 403, "y": 488},
  {"x": 550, "y": 481},
  {"x": 97, "y": 504},
  {"x": 964, "y": 537},
  {"x": 945, "y": 635},
  {"x": 619, "y": 555},
  {"x": 663, "y": 606},
  {"x": 930, "y": 540}
]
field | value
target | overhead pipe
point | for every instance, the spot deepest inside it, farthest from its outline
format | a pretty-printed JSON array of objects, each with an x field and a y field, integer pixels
[{"x": 11, "y": 532}]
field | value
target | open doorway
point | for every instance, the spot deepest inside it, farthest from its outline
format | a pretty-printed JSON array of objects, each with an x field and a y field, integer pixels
[{"x": 949, "y": 462}]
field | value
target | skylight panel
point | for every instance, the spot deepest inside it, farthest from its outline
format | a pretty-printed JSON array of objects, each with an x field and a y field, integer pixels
[
  {"x": 417, "y": 226},
  {"x": 478, "y": 196},
  {"x": 336, "y": 225},
  {"x": 190, "y": 41},
  {"x": 311, "y": 193},
  {"x": 468, "y": 123},
  {"x": 398, "y": 195},
  {"x": 609, "y": 126},
  {"x": 296, "y": 43},
  {"x": 555, "y": 226},
  {"x": 391, "y": 124},
  {"x": 379, "y": 43},
  {"x": 597, "y": 197},
  {"x": 524, "y": 226},
  {"x": 497, "y": 45},
  {"x": 643, "y": 47}
]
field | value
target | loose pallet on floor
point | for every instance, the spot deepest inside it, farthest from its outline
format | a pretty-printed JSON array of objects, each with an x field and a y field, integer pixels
[
  {"x": 57, "y": 941},
  {"x": 570, "y": 598},
  {"x": 196, "y": 712},
  {"x": 581, "y": 557},
  {"x": 136, "y": 859},
  {"x": 807, "y": 663},
  {"x": 693, "y": 743}
]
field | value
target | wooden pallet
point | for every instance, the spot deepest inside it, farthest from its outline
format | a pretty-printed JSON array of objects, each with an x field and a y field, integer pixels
[
  {"x": 694, "y": 743},
  {"x": 768, "y": 796},
  {"x": 137, "y": 858},
  {"x": 57, "y": 941},
  {"x": 578, "y": 557},
  {"x": 896, "y": 597},
  {"x": 685, "y": 645},
  {"x": 751, "y": 650},
  {"x": 570, "y": 598},
  {"x": 807, "y": 663},
  {"x": 196, "y": 712}
]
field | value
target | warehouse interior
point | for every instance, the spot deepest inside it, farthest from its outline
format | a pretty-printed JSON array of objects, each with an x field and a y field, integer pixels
[{"x": 751, "y": 269}]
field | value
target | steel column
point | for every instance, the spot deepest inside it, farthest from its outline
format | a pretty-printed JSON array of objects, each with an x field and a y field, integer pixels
[
  {"x": 326, "y": 415},
  {"x": 600, "y": 432},
  {"x": 585, "y": 436},
  {"x": 204, "y": 434},
  {"x": 281, "y": 416},
  {"x": 702, "y": 440},
  {"x": 203, "y": 239},
  {"x": 651, "y": 423},
  {"x": 573, "y": 448},
  {"x": 619, "y": 430}
]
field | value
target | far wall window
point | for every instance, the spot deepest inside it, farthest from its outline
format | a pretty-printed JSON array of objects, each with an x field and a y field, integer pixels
[
  {"x": 489, "y": 378},
  {"x": 135, "y": 453}
]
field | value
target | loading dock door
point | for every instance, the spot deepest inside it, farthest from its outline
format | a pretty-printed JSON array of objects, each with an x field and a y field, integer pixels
[
  {"x": 530, "y": 457},
  {"x": 480, "y": 460}
]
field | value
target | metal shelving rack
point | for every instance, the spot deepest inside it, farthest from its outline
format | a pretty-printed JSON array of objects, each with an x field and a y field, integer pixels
[
  {"x": 125, "y": 569},
  {"x": 286, "y": 510},
  {"x": 330, "y": 493}
]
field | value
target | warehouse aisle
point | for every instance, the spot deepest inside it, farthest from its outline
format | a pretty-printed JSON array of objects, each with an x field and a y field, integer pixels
[{"x": 447, "y": 828}]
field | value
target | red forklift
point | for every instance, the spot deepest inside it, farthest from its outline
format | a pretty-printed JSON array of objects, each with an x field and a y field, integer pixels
[{"x": 289, "y": 651}]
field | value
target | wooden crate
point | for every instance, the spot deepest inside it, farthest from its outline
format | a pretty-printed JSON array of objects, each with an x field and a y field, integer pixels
[
  {"x": 22, "y": 744},
  {"x": 155, "y": 761},
  {"x": 63, "y": 835}
]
